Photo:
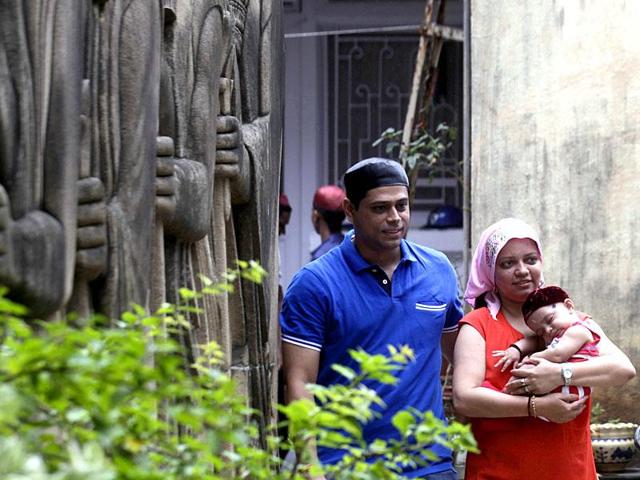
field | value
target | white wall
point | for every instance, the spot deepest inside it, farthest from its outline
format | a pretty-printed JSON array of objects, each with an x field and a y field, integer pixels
[{"x": 305, "y": 103}]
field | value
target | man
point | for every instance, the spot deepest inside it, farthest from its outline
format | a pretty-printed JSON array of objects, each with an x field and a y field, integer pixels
[
  {"x": 375, "y": 289},
  {"x": 284, "y": 213},
  {"x": 327, "y": 216}
]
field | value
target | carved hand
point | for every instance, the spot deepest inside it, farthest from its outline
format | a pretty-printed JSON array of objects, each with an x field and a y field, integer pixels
[
  {"x": 91, "y": 248},
  {"x": 165, "y": 179},
  {"x": 7, "y": 269},
  {"x": 229, "y": 146},
  {"x": 232, "y": 160}
]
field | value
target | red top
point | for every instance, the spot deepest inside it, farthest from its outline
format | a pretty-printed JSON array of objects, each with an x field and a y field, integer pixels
[{"x": 524, "y": 448}]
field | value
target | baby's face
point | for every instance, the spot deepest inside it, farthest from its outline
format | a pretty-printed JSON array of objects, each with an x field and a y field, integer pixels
[{"x": 551, "y": 321}]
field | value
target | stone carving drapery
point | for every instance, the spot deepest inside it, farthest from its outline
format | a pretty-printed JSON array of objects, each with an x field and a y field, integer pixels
[{"x": 139, "y": 148}]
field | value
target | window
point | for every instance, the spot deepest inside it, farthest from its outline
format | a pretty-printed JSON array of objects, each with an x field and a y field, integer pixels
[{"x": 369, "y": 84}]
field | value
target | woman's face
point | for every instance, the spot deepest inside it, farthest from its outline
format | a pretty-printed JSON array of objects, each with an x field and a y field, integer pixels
[{"x": 518, "y": 269}]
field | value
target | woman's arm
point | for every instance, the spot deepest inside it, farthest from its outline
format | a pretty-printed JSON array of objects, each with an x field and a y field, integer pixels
[
  {"x": 611, "y": 368},
  {"x": 473, "y": 400}
]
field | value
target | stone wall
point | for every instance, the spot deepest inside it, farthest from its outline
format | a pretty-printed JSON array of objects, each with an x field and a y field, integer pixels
[
  {"x": 555, "y": 101},
  {"x": 140, "y": 147}
]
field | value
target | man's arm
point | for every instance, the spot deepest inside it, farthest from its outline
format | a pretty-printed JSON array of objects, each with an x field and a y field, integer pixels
[
  {"x": 300, "y": 368},
  {"x": 447, "y": 343}
]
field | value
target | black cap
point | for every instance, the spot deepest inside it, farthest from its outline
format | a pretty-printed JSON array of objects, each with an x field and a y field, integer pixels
[{"x": 372, "y": 173}]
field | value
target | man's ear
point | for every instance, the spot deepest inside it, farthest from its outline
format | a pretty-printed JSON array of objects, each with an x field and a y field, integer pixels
[
  {"x": 315, "y": 218},
  {"x": 348, "y": 208}
]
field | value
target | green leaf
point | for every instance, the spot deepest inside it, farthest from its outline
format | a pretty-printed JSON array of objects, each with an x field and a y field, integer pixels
[
  {"x": 403, "y": 421},
  {"x": 346, "y": 372}
]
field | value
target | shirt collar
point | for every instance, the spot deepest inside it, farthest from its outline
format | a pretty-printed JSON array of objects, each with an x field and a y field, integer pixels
[{"x": 357, "y": 263}]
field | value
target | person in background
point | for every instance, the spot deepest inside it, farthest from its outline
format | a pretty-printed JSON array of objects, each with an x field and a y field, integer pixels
[
  {"x": 375, "y": 289},
  {"x": 284, "y": 214},
  {"x": 327, "y": 217}
]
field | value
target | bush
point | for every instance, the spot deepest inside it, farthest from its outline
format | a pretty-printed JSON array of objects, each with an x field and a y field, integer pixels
[{"x": 114, "y": 400}]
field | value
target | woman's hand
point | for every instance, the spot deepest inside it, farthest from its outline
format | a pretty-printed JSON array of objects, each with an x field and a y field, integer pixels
[
  {"x": 560, "y": 407},
  {"x": 540, "y": 377}
]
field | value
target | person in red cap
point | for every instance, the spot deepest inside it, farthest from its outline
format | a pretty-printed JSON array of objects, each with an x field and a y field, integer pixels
[
  {"x": 327, "y": 217},
  {"x": 284, "y": 214}
]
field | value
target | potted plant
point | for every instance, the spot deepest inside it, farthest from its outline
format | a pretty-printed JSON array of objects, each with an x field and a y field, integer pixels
[{"x": 614, "y": 442}]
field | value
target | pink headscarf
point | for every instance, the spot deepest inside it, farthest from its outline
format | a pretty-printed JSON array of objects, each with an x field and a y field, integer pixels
[{"x": 483, "y": 265}]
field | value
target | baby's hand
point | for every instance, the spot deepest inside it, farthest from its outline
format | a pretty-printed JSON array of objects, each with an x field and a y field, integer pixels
[{"x": 510, "y": 358}]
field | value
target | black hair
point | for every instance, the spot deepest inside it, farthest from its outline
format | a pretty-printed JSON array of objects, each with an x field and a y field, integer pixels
[{"x": 334, "y": 218}]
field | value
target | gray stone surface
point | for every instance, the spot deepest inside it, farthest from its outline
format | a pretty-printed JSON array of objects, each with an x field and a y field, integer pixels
[
  {"x": 139, "y": 149},
  {"x": 555, "y": 94}
]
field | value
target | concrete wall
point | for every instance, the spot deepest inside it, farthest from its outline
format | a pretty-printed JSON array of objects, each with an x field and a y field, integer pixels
[{"x": 555, "y": 140}]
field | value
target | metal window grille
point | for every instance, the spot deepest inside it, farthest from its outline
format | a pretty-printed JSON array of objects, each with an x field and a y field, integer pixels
[{"x": 369, "y": 84}]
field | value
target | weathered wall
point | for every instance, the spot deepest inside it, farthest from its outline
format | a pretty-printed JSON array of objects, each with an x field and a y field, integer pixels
[
  {"x": 140, "y": 147},
  {"x": 555, "y": 92}
]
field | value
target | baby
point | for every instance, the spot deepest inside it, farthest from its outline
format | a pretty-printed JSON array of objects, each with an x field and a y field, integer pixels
[{"x": 567, "y": 336}]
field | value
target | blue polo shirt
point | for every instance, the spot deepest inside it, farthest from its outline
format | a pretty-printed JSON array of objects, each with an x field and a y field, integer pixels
[{"x": 341, "y": 302}]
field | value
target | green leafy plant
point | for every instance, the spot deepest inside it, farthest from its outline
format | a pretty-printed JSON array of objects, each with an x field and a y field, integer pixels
[
  {"x": 114, "y": 400},
  {"x": 424, "y": 152},
  {"x": 336, "y": 418}
]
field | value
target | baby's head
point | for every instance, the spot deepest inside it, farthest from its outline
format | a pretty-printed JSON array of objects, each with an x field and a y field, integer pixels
[{"x": 548, "y": 312}]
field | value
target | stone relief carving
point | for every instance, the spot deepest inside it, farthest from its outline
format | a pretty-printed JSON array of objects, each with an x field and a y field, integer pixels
[
  {"x": 255, "y": 69},
  {"x": 40, "y": 83},
  {"x": 140, "y": 148}
]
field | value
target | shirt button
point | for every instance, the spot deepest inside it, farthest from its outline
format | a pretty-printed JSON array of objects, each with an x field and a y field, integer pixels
[
  {"x": 385, "y": 281},
  {"x": 375, "y": 270}
]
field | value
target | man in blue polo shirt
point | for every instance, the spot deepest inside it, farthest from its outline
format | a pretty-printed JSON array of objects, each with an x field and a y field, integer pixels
[{"x": 375, "y": 289}]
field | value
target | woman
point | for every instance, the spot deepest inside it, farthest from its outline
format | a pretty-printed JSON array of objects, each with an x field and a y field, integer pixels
[{"x": 506, "y": 267}]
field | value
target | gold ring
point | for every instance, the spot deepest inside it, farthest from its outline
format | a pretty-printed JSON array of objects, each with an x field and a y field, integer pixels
[{"x": 523, "y": 382}]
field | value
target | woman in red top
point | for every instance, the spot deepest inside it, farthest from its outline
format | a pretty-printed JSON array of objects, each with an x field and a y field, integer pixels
[{"x": 506, "y": 267}]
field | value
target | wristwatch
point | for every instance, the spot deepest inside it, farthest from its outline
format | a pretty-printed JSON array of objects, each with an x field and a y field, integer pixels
[{"x": 567, "y": 373}]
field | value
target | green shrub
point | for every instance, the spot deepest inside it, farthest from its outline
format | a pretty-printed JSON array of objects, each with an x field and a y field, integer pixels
[{"x": 113, "y": 400}]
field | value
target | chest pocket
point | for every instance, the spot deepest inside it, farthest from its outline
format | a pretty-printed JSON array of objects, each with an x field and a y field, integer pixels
[{"x": 430, "y": 318}]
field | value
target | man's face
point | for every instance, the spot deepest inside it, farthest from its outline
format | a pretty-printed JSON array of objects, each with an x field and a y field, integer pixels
[{"x": 382, "y": 219}]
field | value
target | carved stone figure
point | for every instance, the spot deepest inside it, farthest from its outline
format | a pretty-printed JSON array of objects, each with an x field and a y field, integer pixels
[
  {"x": 253, "y": 173},
  {"x": 117, "y": 172},
  {"x": 41, "y": 45},
  {"x": 140, "y": 149},
  {"x": 196, "y": 37}
]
